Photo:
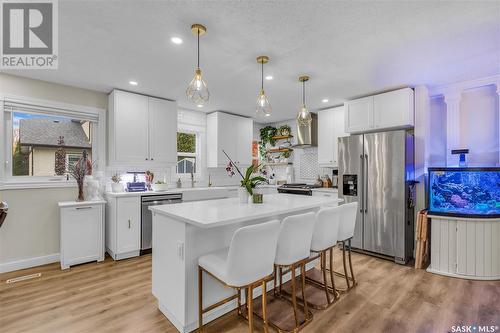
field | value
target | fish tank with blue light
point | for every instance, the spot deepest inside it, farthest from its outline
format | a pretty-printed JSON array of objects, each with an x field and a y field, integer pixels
[{"x": 464, "y": 192}]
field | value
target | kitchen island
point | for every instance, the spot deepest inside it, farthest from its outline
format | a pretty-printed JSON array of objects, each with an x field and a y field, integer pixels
[{"x": 183, "y": 232}]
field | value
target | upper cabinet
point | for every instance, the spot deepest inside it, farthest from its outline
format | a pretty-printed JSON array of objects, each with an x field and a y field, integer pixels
[
  {"x": 330, "y": 128},
  {"x": 141, "y": 129},
  {"x": 231, "y": 133},
  {"x": 394, "y": 109}
]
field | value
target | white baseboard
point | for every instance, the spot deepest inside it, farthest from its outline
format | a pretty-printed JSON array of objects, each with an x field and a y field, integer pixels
[{"x": 28, "y": 262}]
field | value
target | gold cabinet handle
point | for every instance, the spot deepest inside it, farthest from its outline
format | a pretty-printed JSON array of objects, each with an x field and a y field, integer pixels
[{"x": 129, "y": 224}]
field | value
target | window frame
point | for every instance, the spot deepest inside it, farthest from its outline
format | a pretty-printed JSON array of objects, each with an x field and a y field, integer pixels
[
  {"x": 97, "y": 117},
  {"x": 196, "y": 154}
]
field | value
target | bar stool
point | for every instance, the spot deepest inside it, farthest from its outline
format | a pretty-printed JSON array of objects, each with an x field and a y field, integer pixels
[
  {"x": 346, "y": 232},
  {"x": 323, "y": 241},
  {"x": 247, "y": 263},
  {"x": 294, "y": 243}
]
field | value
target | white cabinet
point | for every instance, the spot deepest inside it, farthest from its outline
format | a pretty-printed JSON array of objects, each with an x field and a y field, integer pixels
[
  {"x": 123, "y": 227},
  {"x": 391, "y": 110},
  {"x": 359, "y": 114},
  {"x": 81, "y": 232},
  {"x": 233, "y": 134},
  {"x": 162, "y": 130},
  {"x": 142, "y": 130},
  {"x": 330, "y": 128}
]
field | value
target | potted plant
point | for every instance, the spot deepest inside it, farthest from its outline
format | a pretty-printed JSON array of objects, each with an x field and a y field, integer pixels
[
  {"x": 249, "y": 183},
  {"x": 116, "y": 186},
  {"x": 160, "y": 185},
  {"x": 267, "y": 135},
  {"x": 285, "y": 130},
  {"x": 79, "y": 170}
]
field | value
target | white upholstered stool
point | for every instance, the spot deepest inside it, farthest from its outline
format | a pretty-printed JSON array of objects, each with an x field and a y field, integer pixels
[
  {"x": 346, "y": 232},
  {"x": 248, "y": 262},
  {"x": 293, "y": 250},
  {"x": 323, "y": 241}
]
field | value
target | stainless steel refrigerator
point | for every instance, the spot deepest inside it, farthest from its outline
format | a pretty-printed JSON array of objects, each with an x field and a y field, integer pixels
[{"x": 376, "y": 170}]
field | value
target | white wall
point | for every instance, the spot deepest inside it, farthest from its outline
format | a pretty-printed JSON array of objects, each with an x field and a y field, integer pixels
[
  {"x": 479, "y": 127},
  {"x": 32, "y": 228}
]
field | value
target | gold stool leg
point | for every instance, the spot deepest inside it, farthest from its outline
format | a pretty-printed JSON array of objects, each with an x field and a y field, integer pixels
[
  {"x": 335, "y": 293},
  {"x": 303, "y": 278},
  {"x": 200, "y": 299},
  {"x": 275, "y": 280},
  {"x": 345, "y": 266},
  {"x": 250, "y": 308},
  {"x": 239, "y": 301},
  {"x": 281, "y": 278},
  {"x": 323, "y": 269},
  {"x": 264, "y": 306},
  {"x": 294, "y": 297},
  {"x": 350, "y": 264}
]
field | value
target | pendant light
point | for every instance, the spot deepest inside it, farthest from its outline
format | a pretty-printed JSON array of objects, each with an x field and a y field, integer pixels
[
  {"x": 304, "y": 116},
  {"x": 197, "y": 91},
  {"x": 263, "y": 105}
]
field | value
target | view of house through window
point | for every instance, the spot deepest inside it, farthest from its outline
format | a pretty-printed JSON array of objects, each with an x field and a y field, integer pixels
[
  {"x": 44, "y": 145},
  {"x": 186, "y": 153}
]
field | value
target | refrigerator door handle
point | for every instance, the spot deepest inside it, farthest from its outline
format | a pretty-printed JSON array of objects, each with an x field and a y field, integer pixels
[
  {"x": 365, "y": 182},
  {"x": 361, "y": 182}
]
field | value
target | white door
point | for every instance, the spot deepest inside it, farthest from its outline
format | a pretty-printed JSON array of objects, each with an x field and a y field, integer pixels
[
  {"x": 81, "y": 234},
  {"x": 244, "y": 141},
  {"x": 227, "y": 132},
  {"x": 163, "y": 130},
  {"x": 326, "y": 137},
  {"x": 393, "y": 109},
  {"x": 130, "y": 127},
  {"x": 128, "y": 228},
  {"x": 359, "y": 115},
  {"x": 339, "y": 130}
]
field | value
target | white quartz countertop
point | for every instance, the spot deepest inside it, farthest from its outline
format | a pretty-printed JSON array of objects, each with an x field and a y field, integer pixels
[
  {"x": 216, "y": 213},
  {"x": 170, "y": 191}
]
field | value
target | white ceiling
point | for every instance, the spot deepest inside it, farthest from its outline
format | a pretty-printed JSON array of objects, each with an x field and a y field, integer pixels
[{"x": 348, "y": 48}]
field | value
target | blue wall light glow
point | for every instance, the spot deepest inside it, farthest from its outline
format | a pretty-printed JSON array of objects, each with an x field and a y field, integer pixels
[{"x": 464, "y": 192}]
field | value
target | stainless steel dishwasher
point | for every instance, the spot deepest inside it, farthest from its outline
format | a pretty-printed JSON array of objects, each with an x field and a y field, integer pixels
[{"x": 147, "y": 217}]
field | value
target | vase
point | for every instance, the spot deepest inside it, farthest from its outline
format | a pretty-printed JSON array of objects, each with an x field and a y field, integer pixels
[
  {"x": 116, "y": 187},
  {"x": 243, "y": 195}
]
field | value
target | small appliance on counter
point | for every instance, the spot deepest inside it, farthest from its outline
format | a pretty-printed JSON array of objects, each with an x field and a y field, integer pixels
[
  {"x": 297, "y": 188},
  {"x": 136, "y": 186},
  {"x": 335, "y": 178}
]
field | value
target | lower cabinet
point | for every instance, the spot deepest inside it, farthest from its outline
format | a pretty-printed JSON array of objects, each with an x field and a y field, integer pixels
[
  {"x": 81, "y": 232},
  {"x": 123, "y": 227}
]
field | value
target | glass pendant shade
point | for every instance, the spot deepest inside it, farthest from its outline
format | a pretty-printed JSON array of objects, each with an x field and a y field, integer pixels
[
  {"x": 197, "y": 91},
  {"x": 304, "y": 117},
  {"x": 263, "y": 105}
]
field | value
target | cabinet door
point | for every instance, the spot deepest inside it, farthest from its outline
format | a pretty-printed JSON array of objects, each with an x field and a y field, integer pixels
[
  {"x": 128, "y": 225},
  {"x": 338, "y": 126},
  {"x": 326, "y": 137},
  {"x": 130, "y": 137},
  {"x": 227, "y": 131},
  {"x": 393, "y": 109},
  {"x": 81, "y": 234},
  {"x": 244, "y": 141},
  {"x": 163, "y": 130},
  {"x": 359, "y": 115}
]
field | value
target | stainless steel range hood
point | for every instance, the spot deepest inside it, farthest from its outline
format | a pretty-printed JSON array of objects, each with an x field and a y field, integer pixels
[{"x": 307, "y": 136}]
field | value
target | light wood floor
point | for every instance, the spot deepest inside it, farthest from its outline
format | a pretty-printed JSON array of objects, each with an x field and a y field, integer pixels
[{"x": 116, "y": 297}]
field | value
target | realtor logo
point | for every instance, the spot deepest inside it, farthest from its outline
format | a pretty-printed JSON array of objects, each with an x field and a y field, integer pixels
[{"x": 29, "y": 34}]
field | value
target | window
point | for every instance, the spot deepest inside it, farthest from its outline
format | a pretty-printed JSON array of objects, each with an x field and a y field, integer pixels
[
  {"x": 187, "y": 153},
  {"x": 43, "y": 141}
]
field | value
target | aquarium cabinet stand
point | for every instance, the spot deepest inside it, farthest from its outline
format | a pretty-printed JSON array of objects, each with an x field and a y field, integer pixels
[{"x": 467, "y": 248}]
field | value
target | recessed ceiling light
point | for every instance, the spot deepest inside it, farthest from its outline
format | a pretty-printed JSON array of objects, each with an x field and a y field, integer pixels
[
  {"x": 269, "y": 77},
  {"x": 268, "y": 115},
  {"x": 325, "y": 100},
  {"x": 133, "y": 83},
  {"x": 176, "y": 40},
  {"x": 200, "y": 105}
]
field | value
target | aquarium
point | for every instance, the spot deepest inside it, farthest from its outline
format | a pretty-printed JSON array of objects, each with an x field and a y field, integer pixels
[{"x": 464, "y": 192}]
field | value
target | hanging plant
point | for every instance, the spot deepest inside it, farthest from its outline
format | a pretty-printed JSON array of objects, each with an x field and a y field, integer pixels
[{"x": 266, "y": 135}]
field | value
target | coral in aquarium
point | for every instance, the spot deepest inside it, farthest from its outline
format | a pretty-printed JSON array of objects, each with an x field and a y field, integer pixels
[{"x": 465, "y": 192}]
